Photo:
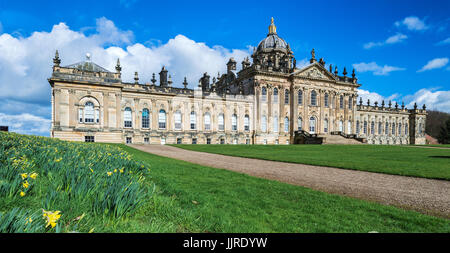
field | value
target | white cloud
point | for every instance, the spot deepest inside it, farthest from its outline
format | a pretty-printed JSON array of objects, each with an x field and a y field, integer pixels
[
  {"x": 444, "y": 42},
  {"x": 412, "y": 23},
  {"x": 375, "y": 68},
  {"x": 26, "y": 123},
  {"x": 432, "y": 98},
  {"x": 434, "y": 64},
  {"x": 397, "y": 38},
  {"x": 26, "y": 62}
]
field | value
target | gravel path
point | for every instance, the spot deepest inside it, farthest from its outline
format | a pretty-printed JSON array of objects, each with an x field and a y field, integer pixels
[{"x": 424, "y": 195}]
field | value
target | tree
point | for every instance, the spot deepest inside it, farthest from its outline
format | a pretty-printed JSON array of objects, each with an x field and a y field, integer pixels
[{"x": 444, "y": 134}]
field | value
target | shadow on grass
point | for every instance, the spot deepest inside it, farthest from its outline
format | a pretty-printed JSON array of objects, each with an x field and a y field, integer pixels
[{"x": 440, "y": 156}]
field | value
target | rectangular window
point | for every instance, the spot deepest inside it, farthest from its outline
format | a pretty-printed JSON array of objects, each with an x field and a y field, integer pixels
[
  {"x": 89, "y": 139},
  {"x": 146, "y": 140},
  {"x": 247, "y": 141},
  {"x": 194, "y": 140},
  {"x": 221, "y": 125},
  {"x": 129, "y": 141},
  {"x": 222, "y": 141},
  {"x": 80, "y": 115},
  {"x": 179, "y": 141},
  {"x": 208, "y": 141},
  {"x": 97, "y": 116}
]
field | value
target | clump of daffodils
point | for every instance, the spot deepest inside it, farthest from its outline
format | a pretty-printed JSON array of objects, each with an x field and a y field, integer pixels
[{"x": 51, "y": 217}]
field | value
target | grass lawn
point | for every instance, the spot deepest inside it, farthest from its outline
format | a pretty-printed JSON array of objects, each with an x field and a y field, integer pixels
[
  {"x": 194, "y": 198},
  {"x": 398, "y": 160}
]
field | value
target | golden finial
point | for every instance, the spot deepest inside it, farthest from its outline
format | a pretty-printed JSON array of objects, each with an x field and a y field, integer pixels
[{"x": 272, "y": 27}]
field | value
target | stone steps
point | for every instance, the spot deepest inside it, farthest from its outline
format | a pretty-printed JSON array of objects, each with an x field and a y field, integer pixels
[{"x": 337, "y": 139}]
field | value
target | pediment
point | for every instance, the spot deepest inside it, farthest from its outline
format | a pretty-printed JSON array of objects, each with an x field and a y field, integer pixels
[{"x": 315, "y": 71}]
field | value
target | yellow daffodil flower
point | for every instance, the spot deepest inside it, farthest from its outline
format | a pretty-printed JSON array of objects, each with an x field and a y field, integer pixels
[
  {"x": 121, "y": 170},
  {"x": 29, "y": 220},
  {"x": 33, "y": 175},
  {"x": 109, "y": 173},
  {"x": 52, "y": 217},
  {"x": 22, "y": 194},
  {"x": 91, "y": 170},
  {"x": 24, "y": 175},
  {"x": 25, "y": 184}
]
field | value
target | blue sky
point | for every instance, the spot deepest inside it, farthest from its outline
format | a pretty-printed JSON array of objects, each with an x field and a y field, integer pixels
[{"x": 400, "y": 49}]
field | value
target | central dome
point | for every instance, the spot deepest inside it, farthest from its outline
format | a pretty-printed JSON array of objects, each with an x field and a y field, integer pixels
[{"x": 272, "y": 40}]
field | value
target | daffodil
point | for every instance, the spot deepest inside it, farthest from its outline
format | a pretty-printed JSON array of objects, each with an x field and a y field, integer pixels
[
  {"x": 29, "y": 220},
  {"x": 91, "y": 170},
  {"x": 109, "y": 173},
  {"x": 22, "y": 194},
  {"x": 51, "y": 217},
  {"x": 121, "y": 170},
  {"x": 33, "y": 175},
  {"x": 24, "y": 175},
  {"x": 115, "y": 170},
  {"x": 25, "y": 184}
]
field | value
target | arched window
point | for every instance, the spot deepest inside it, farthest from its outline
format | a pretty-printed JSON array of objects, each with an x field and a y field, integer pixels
[
  {"x": 177, "y": 119},
  {"x": 393, "y": 128},
  {"x": 234, "y": 122},
  {"x": 325, "y": 125},
  {"x": 263, "y": 94},
  {"x": 350, "y": 103},
  {"x": 221, "y": 122},
  {"x": 246, "y": 123},
  {"x": 263, "y": 124},
  {"x": 349, "y": 127},
  {"x": 207, "y": 122},
  {"x": 286, "y": 97},
  {"x": 127, "y": 117},
  {"x": 145, "y": 118},
  {"x": 162, "y": 119},
  {"x": 406, "y": 129},
  {"x": 312, "y": 125},
  {"x": 299, "y": 123},
  {"x": 275, "y": 123},
  {"x": 341, "y": 102},
  {"x": 386, "y": 128},
  {"x": 372, "y": 128},
  {"x": 365, "y": 127},
  {"x": 89, "y": 112},
  {"x": 193, "y": 120},
  {"x": 380, "y": 127},
  {"x": 326, "y": 100},
  {"x": 300, "y": 97},
  {"x": 286, "y": 124},
  {"x": 313, "y": 97},
  {"x": 399, "y": 128},
  {"x": 275, "y": 95},
  {"x": 357, "y": 127},
  {"x": 341, "y": 126}
]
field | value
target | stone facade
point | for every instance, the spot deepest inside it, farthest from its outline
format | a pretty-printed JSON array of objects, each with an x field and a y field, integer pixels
[{"x": 269, "y": 101}]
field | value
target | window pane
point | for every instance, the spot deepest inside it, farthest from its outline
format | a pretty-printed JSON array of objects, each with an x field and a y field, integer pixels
[
  {"x": 127, "y": 117},
  {"x": 145, "y": 118},
  {"x": 275, "y": 123},
  {"x": 177, "y": 120},
  {"x": 89, "y": 112},
  {"x": 221, "y": 120},
  {"x": 247, "y": 123},
  {"x": 162, "y": 119}
]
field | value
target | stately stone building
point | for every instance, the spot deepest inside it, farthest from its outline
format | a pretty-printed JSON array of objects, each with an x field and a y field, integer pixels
[{"x": 269, "y": 101}]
